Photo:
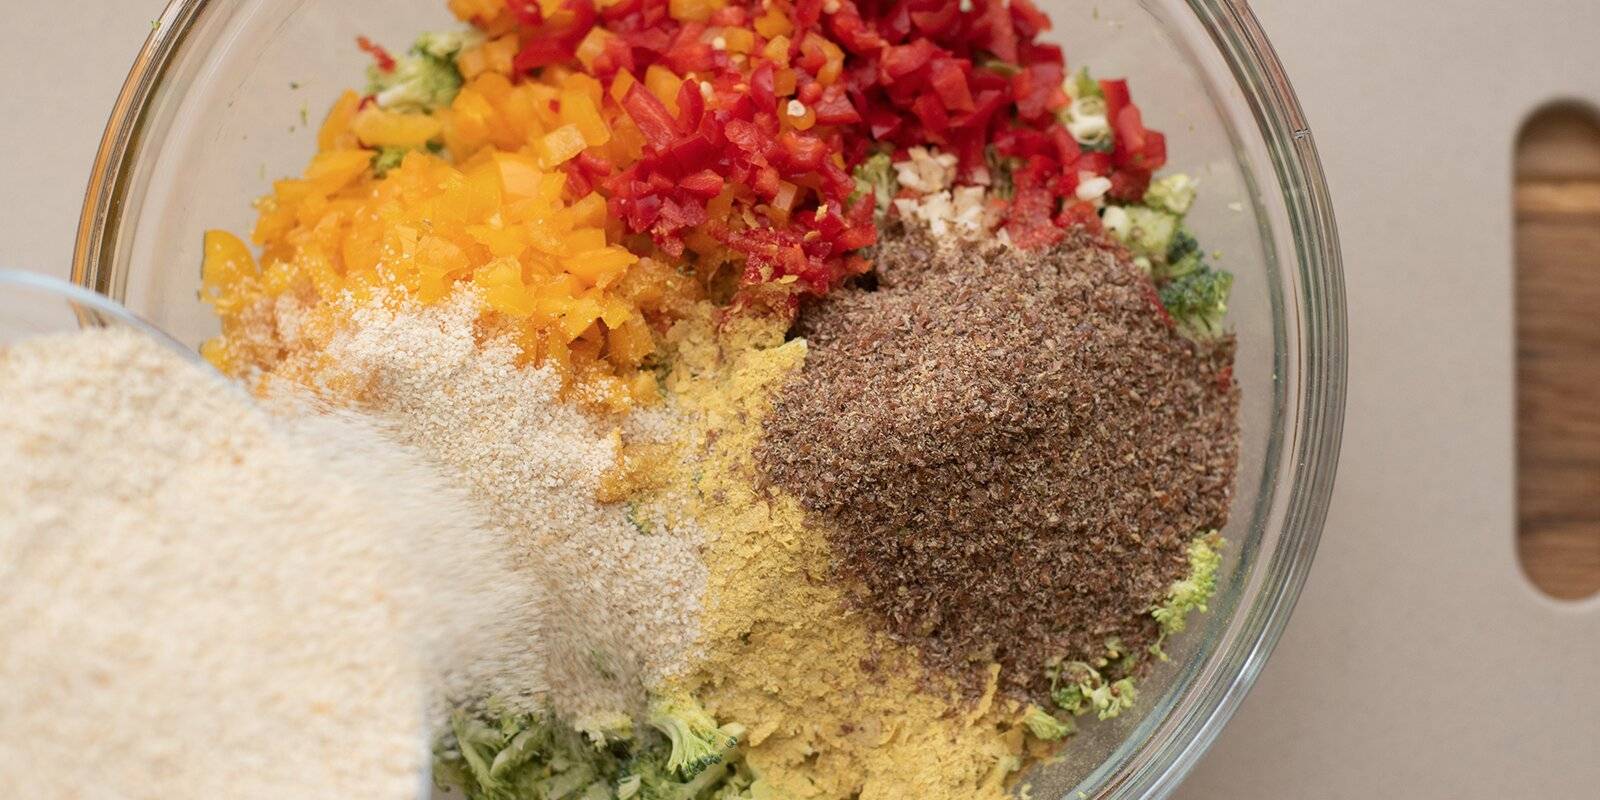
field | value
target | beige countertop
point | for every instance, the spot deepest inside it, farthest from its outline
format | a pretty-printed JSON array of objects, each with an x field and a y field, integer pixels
[{"x": 1420, "y": 663}]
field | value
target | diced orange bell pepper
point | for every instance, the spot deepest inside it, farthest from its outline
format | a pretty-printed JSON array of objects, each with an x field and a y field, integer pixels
[
  {"x": 578, "y": 108},
  {"x": 335, "y": 130},
  {"x": 376, "y": 127}
]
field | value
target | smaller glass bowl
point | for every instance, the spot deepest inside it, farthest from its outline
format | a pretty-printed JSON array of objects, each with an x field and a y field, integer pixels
[{"x": 33, "y": 305}]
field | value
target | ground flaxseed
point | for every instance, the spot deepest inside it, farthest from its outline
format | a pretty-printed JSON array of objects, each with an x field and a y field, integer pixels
[{"x": 1011, "y": 451}]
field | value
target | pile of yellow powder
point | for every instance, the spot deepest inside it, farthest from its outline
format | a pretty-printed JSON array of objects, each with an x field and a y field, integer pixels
[{"x": 833, "y": 711}]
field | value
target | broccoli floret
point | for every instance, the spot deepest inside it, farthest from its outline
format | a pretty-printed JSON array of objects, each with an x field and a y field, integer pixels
[
  {"x": 1084, "y": 85},
  {"x": 1150, "y": 232},
  {"x": 697, "y": 741},
  {"x": 520, "y": 756},
  {"x": 1198, "y": 300},
  {"x": 388, "y": 158},
  {"x": 1193, "y": 592},
  {"x": 1174, "y": 194},
  {"x": 1070, "y": 686},
  {"x": 1110, "y": 700},
  {"x": 447, "y": 44},
  {"x": 648, "y": 777},
  {"x": 1078, "y": 688},
  {"x": 424, "y": 79},
  {"x": 502, "y": 756},
  {"x": 875, "y": 179},
  {"x": 605, "y": 728},
  {"x": 1045, "y": 726},
  {"x": 1184, "y": 246}
]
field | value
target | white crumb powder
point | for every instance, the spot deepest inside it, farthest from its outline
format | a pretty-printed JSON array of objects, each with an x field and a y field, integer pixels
[
  {"x": 623, "y": 605},
  {"x": 203, "y": 600}
]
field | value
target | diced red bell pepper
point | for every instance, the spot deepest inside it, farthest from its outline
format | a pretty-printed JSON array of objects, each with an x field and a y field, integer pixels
[
  {"x": 1128, "y": 125},
  {"x": 690, "y": 153},
  {"x": 1154, "y": 156},
  {"x": 691, "y": 105},
  {"x": 807, "y": 12},
  {"x": 747, "y": 137},
  {"x": 651, "y": 115},
  {"x": 765, "y": 182},
  {"x": 812, "y": 56},
  {"x": 902, "y": 60},
  {"x": 995, "y": 31},
  {"x": 948, "y": 76},
  {"x": 763, "y": 86},
  {"x": 617, "y": 10},
  {"x": 938, "y": 20},
  {"x": 1130, "y": 184},
  {"x": 987, "y": 105},
  {"x": 1067, "y": 148},
  {"x": 1028, "y": 19},
  {"x": 801, "y": 152},
  {"x": 729, "y": 17},
  {"x": 526, "y": 12},
  {"x": 554, "y": 47},
  {"x": 704, "y": 184},
  {"x": 1079, "y": 214},
  {"x": 1038, "y": 90},
  {"x": 834, "y": 108},
  {"x": 930, "y": 110},
  {"x": 578, "y": 182},
  {"x": 1095, "y": 163},
  {"x": 883, "y": 122},
  {"x": 852, "y": 33},
  {"x": 1117, "y": 97}
]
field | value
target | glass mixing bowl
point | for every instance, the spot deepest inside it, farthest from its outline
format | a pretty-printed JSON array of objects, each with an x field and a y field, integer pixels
[
  {"x": 226, "y": 96},
  {"x": 33, "y": 305}
]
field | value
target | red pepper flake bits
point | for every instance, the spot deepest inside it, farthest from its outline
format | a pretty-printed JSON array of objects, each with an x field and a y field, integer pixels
[{"x": 1010, "y": 453}]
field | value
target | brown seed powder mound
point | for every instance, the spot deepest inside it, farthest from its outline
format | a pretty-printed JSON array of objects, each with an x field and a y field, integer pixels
[{"x": 1010, "y": 450}]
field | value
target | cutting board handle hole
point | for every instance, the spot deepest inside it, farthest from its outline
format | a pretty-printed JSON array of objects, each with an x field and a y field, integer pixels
[{"x": 1557, "y": 201}]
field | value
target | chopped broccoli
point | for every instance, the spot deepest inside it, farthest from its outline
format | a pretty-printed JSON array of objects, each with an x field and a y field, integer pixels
[
  {"x": 522, "y": 757},
  {"x": 1150, "y": 232},
  {"x": 1183, "y": 246},
  {"x": 1045, "y": 726},
  {"x": 424, "y": 79},
  {"x": 1174, "y": 193},
  {"x": 447, "y": 44},
  {"x": 1111, "y": 699},
  {"x": 1193, "y": 592},
  {"x": 875, "y": 179},
  {"x": 605, "y": 728},
  {"x": 1084, "y": 85},
  {"x": 1198, "y": 300},
  {"x": 1078, "y": 688},
  {"x": 387, "y": 158},
  {"x": 697, "y": 741}
]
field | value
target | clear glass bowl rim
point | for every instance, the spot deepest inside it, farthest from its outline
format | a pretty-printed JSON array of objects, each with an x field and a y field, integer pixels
[
  {"x": 1316, "y": 305},
  {"x": 91, "y": 309}
]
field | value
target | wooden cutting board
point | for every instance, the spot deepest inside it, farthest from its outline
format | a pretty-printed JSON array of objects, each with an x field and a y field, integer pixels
[{"x": 1558, "y": 350}]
